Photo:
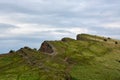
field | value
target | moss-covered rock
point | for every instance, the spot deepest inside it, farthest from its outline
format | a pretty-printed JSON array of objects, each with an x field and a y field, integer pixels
[{"x": 67, "y": 39}]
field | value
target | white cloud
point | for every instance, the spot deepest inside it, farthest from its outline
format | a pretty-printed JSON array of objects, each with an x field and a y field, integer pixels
[
  {"x": 112, "y": 25},
  {"x": 52, "y": 19},
  {"x": 29, "y": 29}
]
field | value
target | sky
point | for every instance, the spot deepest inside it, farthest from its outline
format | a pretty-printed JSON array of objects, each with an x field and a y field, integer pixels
[{"x": 30, "y": 22}]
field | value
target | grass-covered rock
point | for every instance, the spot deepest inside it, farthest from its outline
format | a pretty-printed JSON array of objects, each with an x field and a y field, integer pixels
[{"x": 67, "y": 39}]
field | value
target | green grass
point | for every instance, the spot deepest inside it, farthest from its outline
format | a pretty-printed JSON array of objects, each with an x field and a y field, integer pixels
[{"x": 92, "y": 59}]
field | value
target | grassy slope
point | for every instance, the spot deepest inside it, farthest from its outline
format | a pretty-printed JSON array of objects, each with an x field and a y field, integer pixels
[{"x": 92, "y": 59}]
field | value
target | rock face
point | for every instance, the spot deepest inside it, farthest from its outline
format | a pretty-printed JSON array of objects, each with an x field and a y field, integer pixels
[
  {"x": 67, "y": 39},
  {"x": 81, "y": 37},
  {"x": 46, "y": 47},
  {"x": 86, "y": 37}
]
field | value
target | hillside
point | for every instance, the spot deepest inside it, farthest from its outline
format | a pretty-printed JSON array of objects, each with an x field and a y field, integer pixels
[{"x": 89, "y": 57}]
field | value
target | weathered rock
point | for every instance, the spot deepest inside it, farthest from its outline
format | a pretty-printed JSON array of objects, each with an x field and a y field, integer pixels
[
  {"x": 46, "y": 47},
  {"x": 81, "y": 37},
  {"x": 11, "y": 51},
  {"x": 105, "y": 39},
  {"x": 109, "y": 38},
  {"x": 28, "y": 48},
  {"x": 116, "y": 42},
  {"x": 66, "y": 39}
]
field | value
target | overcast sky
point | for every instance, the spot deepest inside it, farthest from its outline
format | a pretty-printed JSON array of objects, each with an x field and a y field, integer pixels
[{"x": 30, "y": 22}]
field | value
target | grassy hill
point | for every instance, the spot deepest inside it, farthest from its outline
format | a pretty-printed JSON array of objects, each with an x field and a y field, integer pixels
[{"x": 90, "y": 57}]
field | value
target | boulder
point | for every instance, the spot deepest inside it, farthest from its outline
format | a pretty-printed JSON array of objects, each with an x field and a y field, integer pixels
[
  {"x": 82, "y": 37},
  {"x": 11, "y": 51},
  {"x": 46, "y": 47},
  {"x": 66, "y": 39}
]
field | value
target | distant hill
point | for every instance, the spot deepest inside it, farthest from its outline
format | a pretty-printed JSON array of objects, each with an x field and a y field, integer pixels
[{"x": 89, "y": 57}]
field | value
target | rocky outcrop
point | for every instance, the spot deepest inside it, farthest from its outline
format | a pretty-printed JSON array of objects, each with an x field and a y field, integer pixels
[
  {"x": 86, "y": 37},
  {"x": 81, "y": 37},
  {"x": 66, "y": 39},
  {"x": 46, "y": 47}
]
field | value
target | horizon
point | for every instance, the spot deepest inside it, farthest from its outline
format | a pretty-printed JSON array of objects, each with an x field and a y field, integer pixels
[
  {"x": 53, "y": 40},
  {"x": 30, "y": 22}
]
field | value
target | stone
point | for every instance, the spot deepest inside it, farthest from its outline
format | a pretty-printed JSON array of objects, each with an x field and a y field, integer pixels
[
  {"x": 67, "y": 39},
  {"x": 46, "y": 47}
]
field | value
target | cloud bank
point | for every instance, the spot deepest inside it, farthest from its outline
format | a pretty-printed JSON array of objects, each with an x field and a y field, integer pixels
[{"x": 29, "y": 22}]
